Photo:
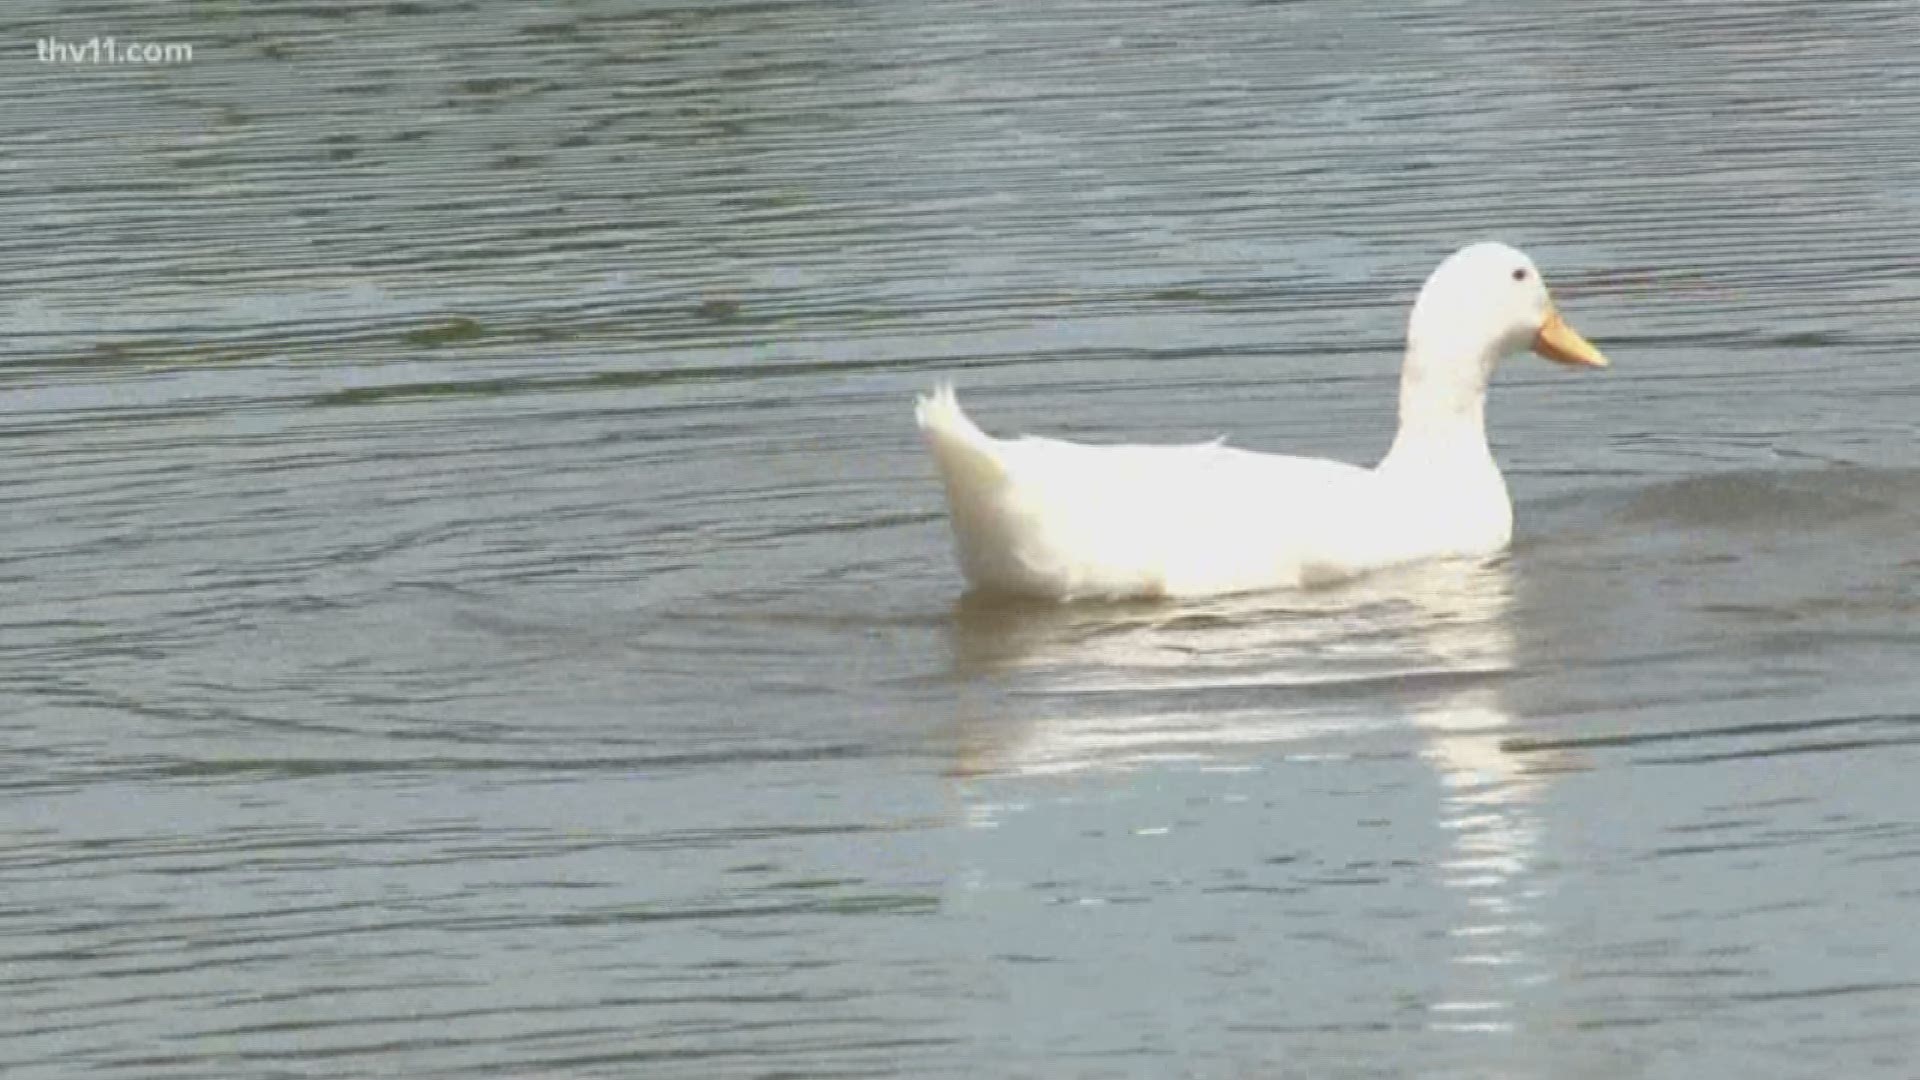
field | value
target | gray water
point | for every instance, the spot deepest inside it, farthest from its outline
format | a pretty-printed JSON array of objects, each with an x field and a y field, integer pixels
[{"x": 472, "y": 601}]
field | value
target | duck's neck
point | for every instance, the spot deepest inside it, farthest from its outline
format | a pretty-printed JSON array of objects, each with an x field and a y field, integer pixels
[{"x": 1443, "y": 404}]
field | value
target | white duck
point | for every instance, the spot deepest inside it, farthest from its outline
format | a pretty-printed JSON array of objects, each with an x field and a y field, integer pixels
[{"x": 1066, "y": 521}]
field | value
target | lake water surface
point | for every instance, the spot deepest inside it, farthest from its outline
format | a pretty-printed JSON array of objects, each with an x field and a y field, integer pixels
[{"x": 473, "y": 603}]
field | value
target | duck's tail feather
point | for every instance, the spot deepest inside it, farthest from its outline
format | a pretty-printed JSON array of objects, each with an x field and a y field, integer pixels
[{"x": 966, "y": 455}]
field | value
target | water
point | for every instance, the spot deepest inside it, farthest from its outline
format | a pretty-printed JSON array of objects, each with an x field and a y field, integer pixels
[{"x": 474, "y": 603}]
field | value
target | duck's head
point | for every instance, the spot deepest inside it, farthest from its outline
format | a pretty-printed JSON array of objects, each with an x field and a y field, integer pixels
[{"x": 1487, "y": 301}]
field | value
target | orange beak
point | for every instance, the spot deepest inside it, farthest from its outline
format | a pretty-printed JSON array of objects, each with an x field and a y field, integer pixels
[{"x": 1558, "y": 341}]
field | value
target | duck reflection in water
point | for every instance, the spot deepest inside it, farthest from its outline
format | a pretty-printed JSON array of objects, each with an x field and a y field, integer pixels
[{"x": 1052, "y": 690}]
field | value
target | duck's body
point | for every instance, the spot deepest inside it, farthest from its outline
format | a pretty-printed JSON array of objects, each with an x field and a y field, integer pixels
[{"x": 1064, "y": 521}]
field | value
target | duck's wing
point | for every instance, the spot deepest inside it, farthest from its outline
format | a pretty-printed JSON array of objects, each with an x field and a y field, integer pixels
[
  {"x": 1065, "y": 519},
  {"x": 1195, "y": 520},
  {"x": 1196, "y": 470}
]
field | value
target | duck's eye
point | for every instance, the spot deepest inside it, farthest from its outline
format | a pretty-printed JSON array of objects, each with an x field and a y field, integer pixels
[{"x": 1520, "y": 273}]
